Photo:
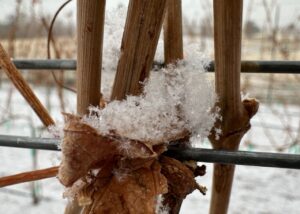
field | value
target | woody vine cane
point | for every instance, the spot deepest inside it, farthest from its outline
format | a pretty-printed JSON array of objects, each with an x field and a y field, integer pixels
[{"x": 235, "y": 114}]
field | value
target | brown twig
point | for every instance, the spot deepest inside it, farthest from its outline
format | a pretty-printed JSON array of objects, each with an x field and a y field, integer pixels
[
  {"x": 13, "y": 29},
  {"x": 20, "y": 83},
  {"x": 28, "y": 176},
  {"x": 59, "y": 82},
  {"x": 51, "y": 39}
]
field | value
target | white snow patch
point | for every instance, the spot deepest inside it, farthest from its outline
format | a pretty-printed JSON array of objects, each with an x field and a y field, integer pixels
[{"x": 176, "y": 98}]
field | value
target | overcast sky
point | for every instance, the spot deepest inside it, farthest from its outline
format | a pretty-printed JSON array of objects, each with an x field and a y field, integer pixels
[{"x": 289, "y": 9}]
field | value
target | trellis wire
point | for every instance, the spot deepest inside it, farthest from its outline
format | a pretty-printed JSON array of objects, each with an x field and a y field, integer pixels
[
  {"x": 205, "y": 155},
  {"x": 29, "y": 143},
  {"x": 280, "y": 67},
  {"x": 262, "y": 159}
]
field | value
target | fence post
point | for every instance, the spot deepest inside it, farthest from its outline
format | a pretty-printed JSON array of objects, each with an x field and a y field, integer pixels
[
  {"x": 235, "y": 114},
  {"x": 173, "y": 42},
  {"x": 143, "y": 26}
]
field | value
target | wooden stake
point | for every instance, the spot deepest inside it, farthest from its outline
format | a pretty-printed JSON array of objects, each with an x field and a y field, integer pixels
[
  {"x": 235, "y": 114},
  {"x": 90, "y": 26},
  {"x": 173, "y": 42},
  {"x": 23, "y": 87},
  {"x": 140, "y": 38},
  {"x": 28, "y": 176}
]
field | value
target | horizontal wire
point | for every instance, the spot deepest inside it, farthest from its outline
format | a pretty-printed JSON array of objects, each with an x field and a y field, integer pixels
[
  {"x": 263, "y": 159},
  {"x": 279, "y": 67}
]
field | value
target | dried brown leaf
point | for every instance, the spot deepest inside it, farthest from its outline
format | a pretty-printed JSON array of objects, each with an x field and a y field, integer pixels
[
  {"x": 132, "y": 193},
  {"x": 83, "y": 149},
  {"x": 181, "y": 182},
  {"x": 107, "y": 175},
  {"x": 118, "y": 175},
  {"x": 181, "y": 179}
]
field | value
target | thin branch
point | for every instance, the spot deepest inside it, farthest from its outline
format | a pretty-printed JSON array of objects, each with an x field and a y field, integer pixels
[
  {"x": 50, "y": 38},
  {"x": 28, "y": 176},
  {"x": 23, "y": 87}
]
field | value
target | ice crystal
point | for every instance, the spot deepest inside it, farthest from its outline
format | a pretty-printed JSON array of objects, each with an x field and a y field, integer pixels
[{"x": 175, "y": 98}]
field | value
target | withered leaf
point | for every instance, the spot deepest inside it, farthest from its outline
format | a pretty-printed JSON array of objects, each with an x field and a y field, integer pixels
[
  {"x": 116, "y": 174},
  {"x": 181, "y": 181},
  {"x": 82, "y": 150},
  {"x": 85, "y": 149},
  {"x": 128, "y": 177},
  {"x": 134, "y": 193}
]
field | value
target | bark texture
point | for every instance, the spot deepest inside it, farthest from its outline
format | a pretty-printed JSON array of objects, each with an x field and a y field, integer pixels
[
  {"x": 173, "y": 42},
  {"x": 90, "y": 26},
  {"x": 23, "y": 87},
  {"x": 139, "y": 42},
  {"x": 236, "y": 114}
]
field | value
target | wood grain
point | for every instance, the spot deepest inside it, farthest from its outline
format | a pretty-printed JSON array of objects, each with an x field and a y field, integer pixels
[
  {"x": 20, "y": 83},
  {"x": 142, "y": 29},
  {"x": 235, "y": 118},
  {"x": 173, "y": 42},
  {"x": 227, "y": 39},
  {"x": 90, "y": 26}
]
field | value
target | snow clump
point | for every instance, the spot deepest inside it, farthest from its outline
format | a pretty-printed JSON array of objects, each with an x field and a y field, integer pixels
[{"x": 175, "y": 99}]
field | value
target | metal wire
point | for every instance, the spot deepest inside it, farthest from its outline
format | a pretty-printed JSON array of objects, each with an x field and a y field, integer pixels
[
  {"x": 264, "y": 159},
  {"x": 45, "y": 64},
  {"x": 29, "y": 143},
  {"x": 204, "y": 155},
  {"x": 280, "y": 67}
]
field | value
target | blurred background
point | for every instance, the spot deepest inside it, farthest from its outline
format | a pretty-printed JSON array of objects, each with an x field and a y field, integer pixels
[{"x": 271, "y": 31}]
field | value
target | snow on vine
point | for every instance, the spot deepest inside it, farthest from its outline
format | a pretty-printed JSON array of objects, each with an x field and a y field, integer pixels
[{"x": 175, "y": 98}]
